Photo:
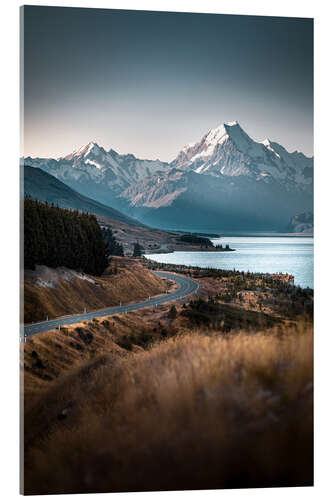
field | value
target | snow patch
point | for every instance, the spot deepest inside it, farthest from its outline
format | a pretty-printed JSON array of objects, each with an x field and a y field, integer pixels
[
  {"x": 188, "y": 146},
  {"x": 267, "y": 144},
  {"x": 92, "y": 162},
  {"x": 89, "y": 148}
]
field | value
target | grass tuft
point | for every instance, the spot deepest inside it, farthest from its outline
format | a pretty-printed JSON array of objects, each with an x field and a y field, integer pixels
[{"x": 193, "y": 411}]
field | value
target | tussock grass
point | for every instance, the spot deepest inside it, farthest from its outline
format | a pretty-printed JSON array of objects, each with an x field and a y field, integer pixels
[
  {"x": 194, "y": 411},
  {"x": 49, "y": 355}
]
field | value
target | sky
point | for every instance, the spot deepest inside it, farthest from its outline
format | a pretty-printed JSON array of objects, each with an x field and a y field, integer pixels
[{"x": 148, "y": 83}]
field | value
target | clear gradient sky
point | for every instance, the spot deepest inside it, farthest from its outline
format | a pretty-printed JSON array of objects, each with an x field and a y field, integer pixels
[{"x": 148, "y": 83}]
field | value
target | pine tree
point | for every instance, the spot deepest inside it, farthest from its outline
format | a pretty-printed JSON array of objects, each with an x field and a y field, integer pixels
[
  {"x": 137, "y": 252},
  {"x": 113, "y": 247},
  {"x": 172, "y": 314}
]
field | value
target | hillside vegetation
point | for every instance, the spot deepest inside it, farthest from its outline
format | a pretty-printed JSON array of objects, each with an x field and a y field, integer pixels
[
  {"x": 213, "y": 393},
  {"x": 57, "y": 292},
  {"x": 199, "y": 410},
  {"x": 56, "y": 237},
  {"x": 47, "y": 356},
  {"x": 195, "y": 240}
]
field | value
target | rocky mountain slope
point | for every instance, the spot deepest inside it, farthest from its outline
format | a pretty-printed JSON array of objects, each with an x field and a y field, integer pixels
[
  {"x": 226, "y": 180},
  {"x": 301, "y": 223},
  {"x": 97, "y": 173}
]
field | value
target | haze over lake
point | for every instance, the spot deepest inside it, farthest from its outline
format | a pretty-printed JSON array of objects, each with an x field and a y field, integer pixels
[{"x": 292, "y": 255}]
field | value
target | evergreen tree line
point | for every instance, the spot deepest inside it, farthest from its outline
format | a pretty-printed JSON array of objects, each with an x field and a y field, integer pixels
[
  {"x": 195, "y": 240},
  {"x": 56, "y": 237},
  {"x": 113, "y": 247},
  {"x": 137, "y": 251}
]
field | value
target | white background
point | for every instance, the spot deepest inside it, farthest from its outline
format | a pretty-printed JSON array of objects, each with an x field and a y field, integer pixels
[{"x": 9, "y": 234}]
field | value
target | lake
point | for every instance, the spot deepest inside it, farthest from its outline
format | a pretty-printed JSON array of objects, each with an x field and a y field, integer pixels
[{"x": 258, "y": 254}]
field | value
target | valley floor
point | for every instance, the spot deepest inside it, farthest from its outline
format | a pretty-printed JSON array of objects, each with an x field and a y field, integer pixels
[{"x": 152, "y": 240}]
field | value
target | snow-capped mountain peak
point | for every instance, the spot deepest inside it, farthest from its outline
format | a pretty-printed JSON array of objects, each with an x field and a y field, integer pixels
[
  {"x": 216, "y": 135},
  {"x": 91, "y": 165},
  {"x": 266, "y": 142},
  {"x": 226, "y": 135},
  {"x": 241, "y": 139},
  {"x": 223, "y": 132},
  {"x": 188, "y": 146},
  {"x": 223, "y": 177},
  {"x": 83, "y": 151},
  {"x": 210, "y": 140},
  {"x": 226, "y": 172},
  {"x": 228, "y": 150},
  {"x": 91, "y": 147}
]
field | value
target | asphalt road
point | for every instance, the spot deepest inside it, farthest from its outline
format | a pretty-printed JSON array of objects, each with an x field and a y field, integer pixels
[{"x": 186, "y": 286}]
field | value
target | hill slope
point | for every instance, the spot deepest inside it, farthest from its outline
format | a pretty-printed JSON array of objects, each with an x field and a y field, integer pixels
[
  {"x": 44, "y": 187},
  {"x": 57, "y": 292}
]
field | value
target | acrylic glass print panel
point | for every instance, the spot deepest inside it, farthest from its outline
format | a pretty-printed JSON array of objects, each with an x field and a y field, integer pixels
[{"x": 167, "y": 320}]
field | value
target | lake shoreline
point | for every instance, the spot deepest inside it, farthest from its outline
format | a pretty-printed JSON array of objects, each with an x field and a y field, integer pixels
[
  {"x": 257, "y": 254},
  {"x": 191, "y": 250}
]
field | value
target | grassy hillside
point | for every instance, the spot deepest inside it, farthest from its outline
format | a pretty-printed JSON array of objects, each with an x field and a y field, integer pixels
[
  {"x": 57, "y": 292},
  {"x": 215, "y": 393},
  {"x": 194, "y": 411},
  {"x": 50, "y": 355},
  {"x": 42, "y": 186}
]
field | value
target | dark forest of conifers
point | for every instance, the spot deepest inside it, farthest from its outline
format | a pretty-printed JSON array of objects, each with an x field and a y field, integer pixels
[{"x": 56, "y": 237}]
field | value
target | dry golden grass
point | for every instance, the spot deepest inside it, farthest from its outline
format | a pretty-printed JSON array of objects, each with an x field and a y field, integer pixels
[
  {"x": 194, "y": 411},
  {"x": 131, "y": 283},
  {"x": 48, "y": 355}
]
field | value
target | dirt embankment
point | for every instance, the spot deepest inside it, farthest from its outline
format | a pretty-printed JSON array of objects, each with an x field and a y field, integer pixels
[{"x": 57, "y": 292}]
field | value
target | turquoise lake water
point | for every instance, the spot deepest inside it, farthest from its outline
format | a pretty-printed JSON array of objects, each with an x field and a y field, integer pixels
[{"x": 289, "y": 254}]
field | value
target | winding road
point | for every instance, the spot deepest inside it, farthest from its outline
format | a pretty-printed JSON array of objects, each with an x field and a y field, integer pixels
[{"x": 186, "y": 286}]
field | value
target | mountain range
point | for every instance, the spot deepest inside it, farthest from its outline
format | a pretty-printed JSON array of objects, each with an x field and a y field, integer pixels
[{"x": 226, "y": 180}]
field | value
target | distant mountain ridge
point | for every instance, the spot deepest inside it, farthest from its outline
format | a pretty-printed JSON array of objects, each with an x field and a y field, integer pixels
[
  {"x": 98, "y": 173},
  {"x": 42, "y": 186},
  {"x": 226, "y": 180}
]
